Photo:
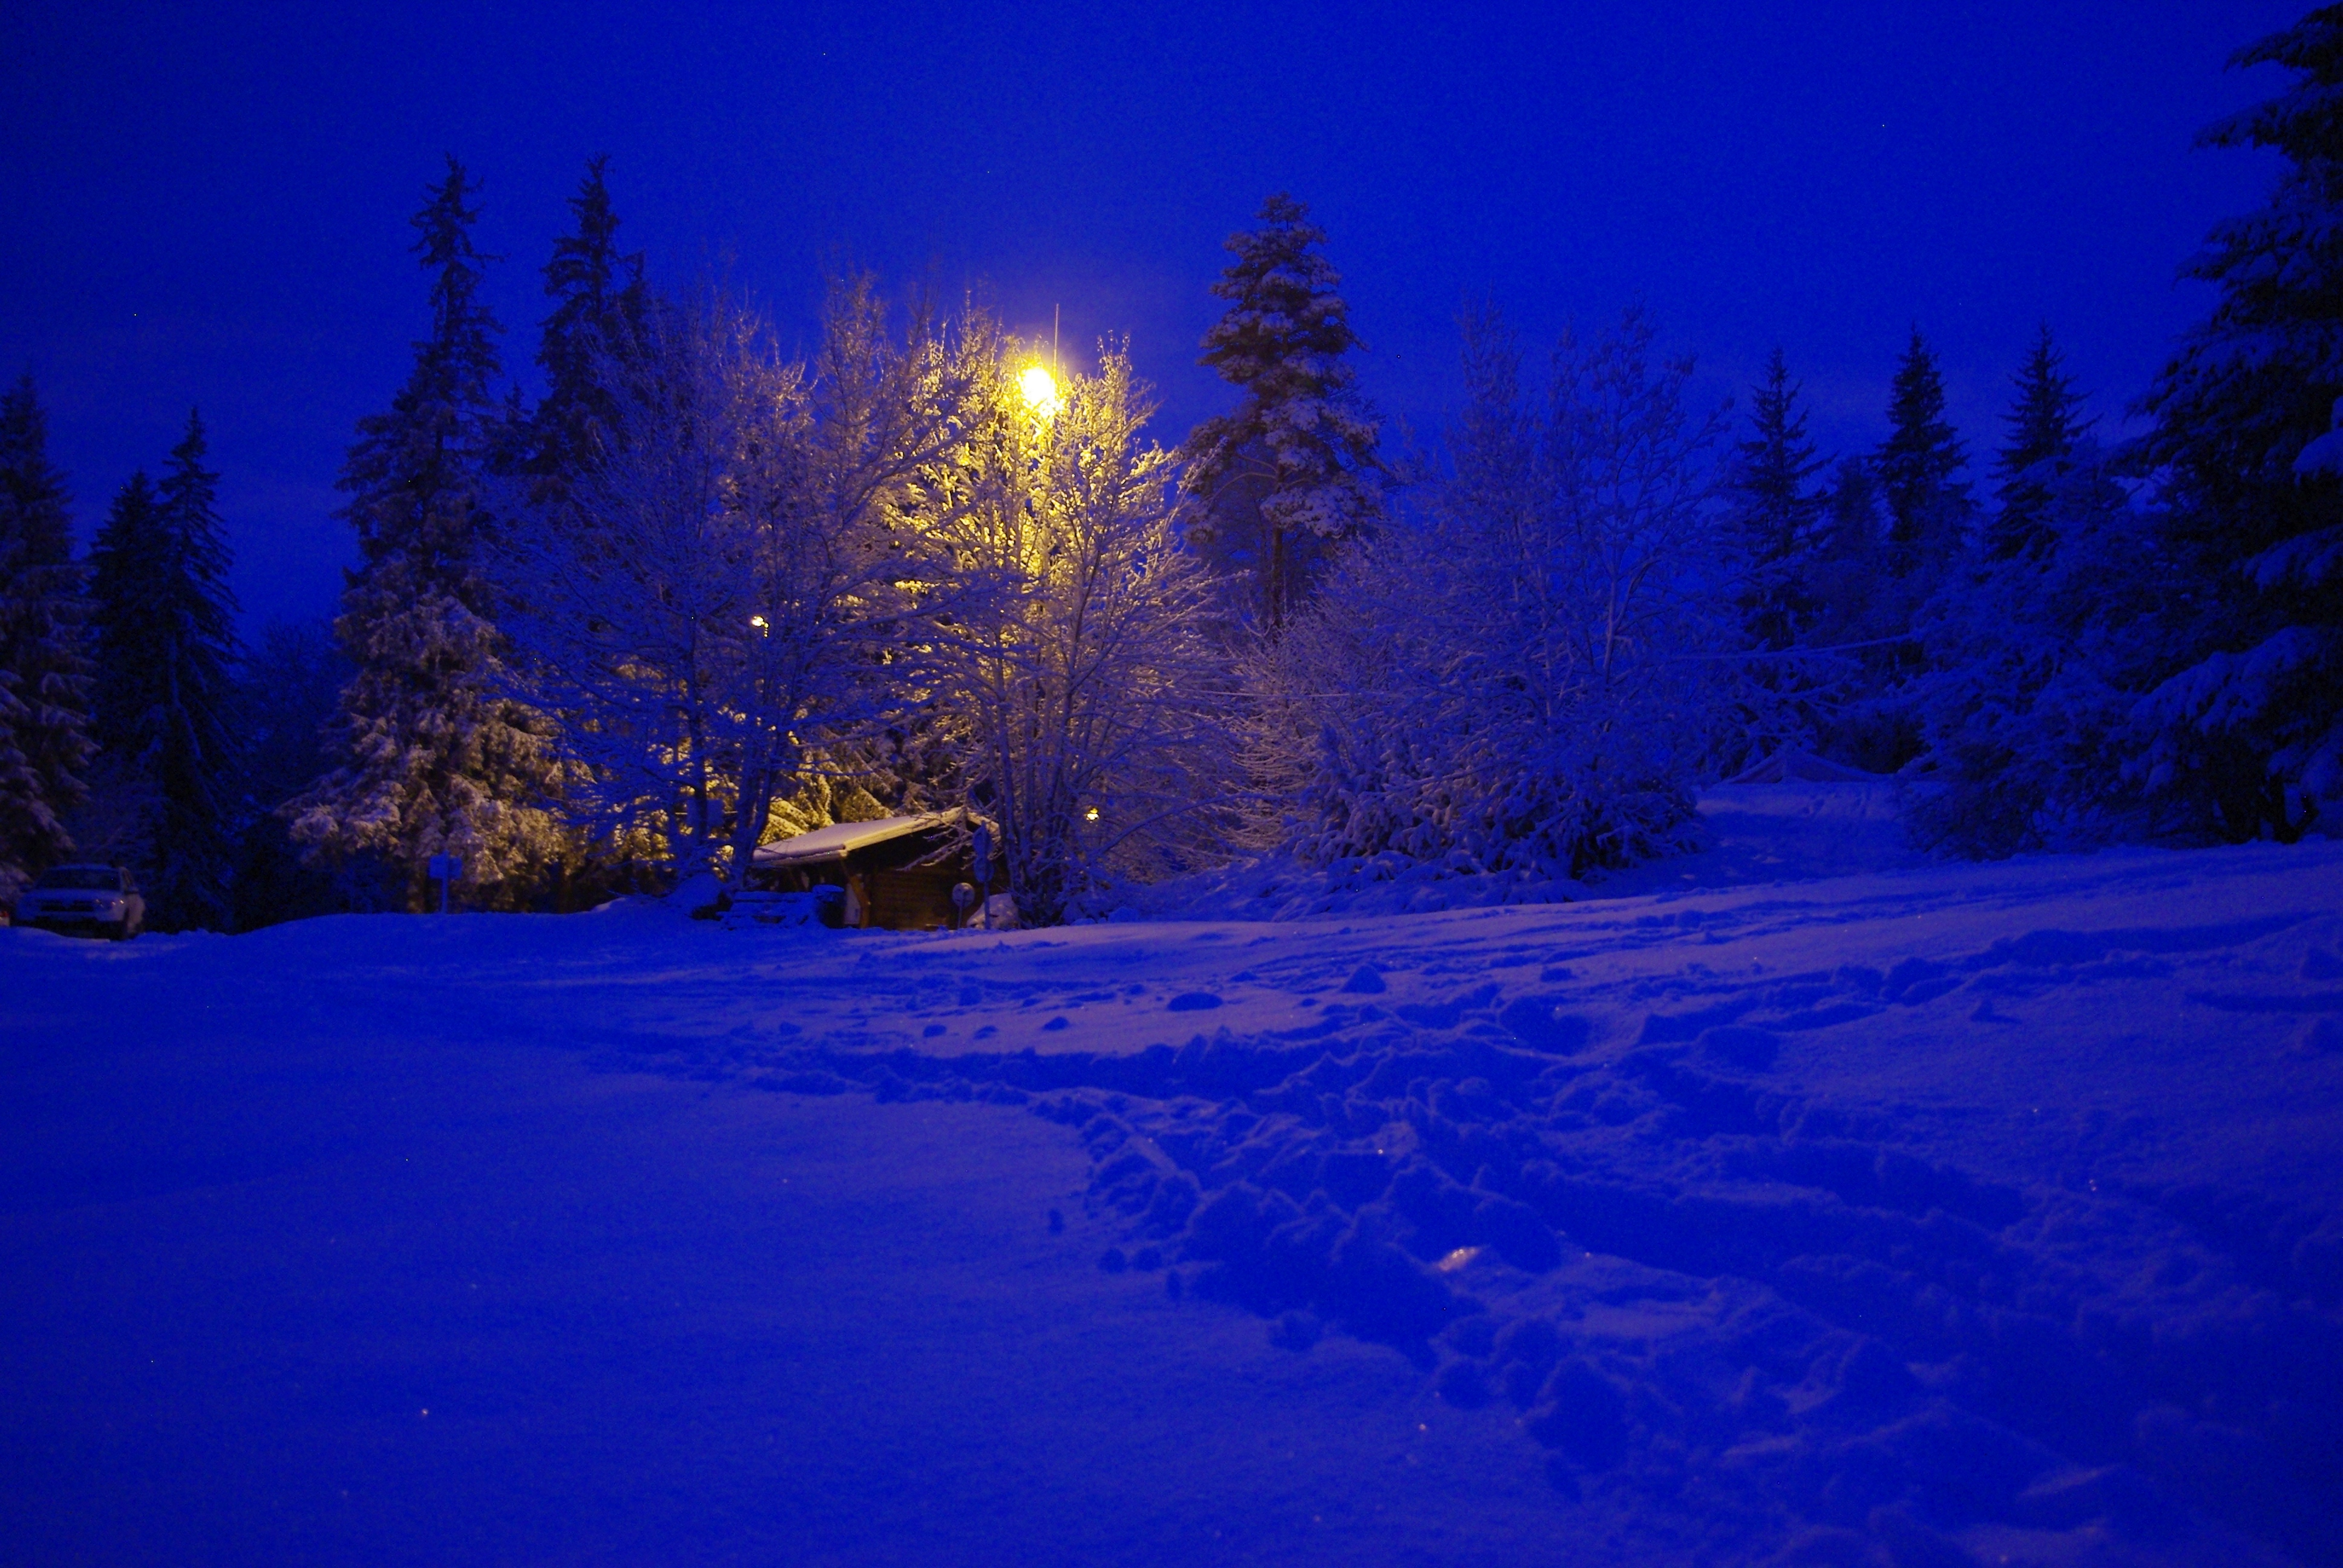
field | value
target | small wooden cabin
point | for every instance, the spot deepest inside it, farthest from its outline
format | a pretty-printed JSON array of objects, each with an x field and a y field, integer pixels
[{"x": 898, "y": 872}]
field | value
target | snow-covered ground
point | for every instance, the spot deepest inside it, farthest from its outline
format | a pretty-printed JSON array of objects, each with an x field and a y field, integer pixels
[{"x": 1794, "y": 1198}]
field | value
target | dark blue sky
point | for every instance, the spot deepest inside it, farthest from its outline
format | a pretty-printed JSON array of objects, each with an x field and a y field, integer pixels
[{"x": 208, "y": 206}]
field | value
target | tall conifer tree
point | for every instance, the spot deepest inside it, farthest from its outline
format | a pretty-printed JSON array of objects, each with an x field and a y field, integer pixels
[
  {"x": 1927, "y": 510},
  {"x": 599, "y": 299},
  {"x": 43, "y": 670},
  {"x": 2248, "y": 441},
  {"x": 163, "y": 620},
  {"x": 1776, "y": 510},
  {"x": 1296, "y": 465},
  {"x": 2046, "y": 424},
  {"x": 439, "y": 760}
]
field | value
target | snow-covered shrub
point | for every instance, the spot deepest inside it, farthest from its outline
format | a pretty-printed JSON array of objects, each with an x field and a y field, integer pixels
[{"x": 1520, "y": 680}]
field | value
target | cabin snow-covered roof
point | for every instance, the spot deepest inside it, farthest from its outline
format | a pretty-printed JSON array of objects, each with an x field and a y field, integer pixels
[
  {"x": 840, "y": 839},
  {"x": 1790, "y": 765}
]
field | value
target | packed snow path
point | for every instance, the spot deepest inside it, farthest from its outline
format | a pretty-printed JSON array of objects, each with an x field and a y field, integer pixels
[{"x": 1890, "y": 1218}]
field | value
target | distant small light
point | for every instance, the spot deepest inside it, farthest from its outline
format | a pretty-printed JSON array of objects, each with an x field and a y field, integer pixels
[
  {"x": 757, "y": 621},
  {"x": 1090, "y": 815}
]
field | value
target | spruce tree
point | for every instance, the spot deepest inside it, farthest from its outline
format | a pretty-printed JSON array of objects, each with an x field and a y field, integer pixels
[
  {"x": 1928, "y": 511},
  {"x": 2045, "y": 426},
  {"x": 163, "y": 623},
  {"x": 1775, "y": 511},
  {"x": 600, "y": 300},
  {"x": 2245, "y": 440},
  {"x": 439, "y": 760},
  {"x": 126, "y": 570},
  {"x": 1296, "y": 465},
  {"x": 43, "y": 670}
]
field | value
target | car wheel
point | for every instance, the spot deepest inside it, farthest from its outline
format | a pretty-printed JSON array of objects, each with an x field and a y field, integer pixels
[{"x": 123, "y": 931}]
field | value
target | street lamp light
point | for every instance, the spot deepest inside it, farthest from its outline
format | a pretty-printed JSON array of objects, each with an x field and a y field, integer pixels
[{"x": 1041, "y": 390}]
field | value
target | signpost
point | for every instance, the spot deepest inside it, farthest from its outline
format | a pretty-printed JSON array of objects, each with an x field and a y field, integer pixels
[{"x": 445, "y": 869}]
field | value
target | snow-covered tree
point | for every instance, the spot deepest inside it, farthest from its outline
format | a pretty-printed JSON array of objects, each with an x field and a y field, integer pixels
[
  {"x": 2245, "y": 444},
  {"x": 731, "y": 585},
  {"x": 600, "y": 301},
  {"x": 43, "y": 669},
  {"x": 1518, "y": 684},
  {"x": 1847, "y": 563},
  {"x": 2036, "y": 658},
  {"x": 2045, "y": 425},
  {"x": 1295, "y": 467},
  {"x": 439, "y": 758},
  {"x": 1871, "y": 586},
  {"x": 1927, "y": 510},
  {"x": 1776, "y": 510},
  {"x": 162, "y": 619},
  {"x": 127, "y": 563},
  {"x": 1094, "y": 708}
]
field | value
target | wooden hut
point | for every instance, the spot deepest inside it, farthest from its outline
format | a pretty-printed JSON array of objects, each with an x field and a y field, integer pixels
[{"x": 898, "y": 872}]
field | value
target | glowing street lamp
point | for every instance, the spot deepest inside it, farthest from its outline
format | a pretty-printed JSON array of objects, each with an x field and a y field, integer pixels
[{"x": 1041, "y": 390}]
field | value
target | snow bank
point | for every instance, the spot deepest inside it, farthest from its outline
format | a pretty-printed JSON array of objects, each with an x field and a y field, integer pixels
[{"x": 1896, "y": 1216}]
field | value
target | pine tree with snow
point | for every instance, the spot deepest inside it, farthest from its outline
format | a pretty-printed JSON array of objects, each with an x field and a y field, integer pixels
[
  {"x": 439, "y": 758},
  {"x": 2035, "y": 660},
  {"x": 1295, "y": 467},
  {"x": 2046, "y": 424},
  {"x": 163, "y": 623},
  {"x": 599, "y": 304},
  {"x": 1776, "y": 511},
  {"x": 44, "y": 668},
  {"x": 2247, "y": 444},
  {"x": 1927, "y": 510}
]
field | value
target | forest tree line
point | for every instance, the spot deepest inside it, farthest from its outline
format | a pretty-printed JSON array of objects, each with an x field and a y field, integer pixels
[{"x": 704, "y": 593}]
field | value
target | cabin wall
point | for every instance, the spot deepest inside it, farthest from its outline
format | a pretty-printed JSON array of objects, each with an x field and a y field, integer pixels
[{"x": 894, "y": 894}]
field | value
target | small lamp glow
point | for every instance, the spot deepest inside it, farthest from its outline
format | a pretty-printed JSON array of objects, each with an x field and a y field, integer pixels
[{"x": 1040, "y": 389}]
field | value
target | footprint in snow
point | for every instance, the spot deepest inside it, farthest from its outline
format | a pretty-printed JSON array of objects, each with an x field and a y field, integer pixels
[{"x": 1193, "y": 1001}]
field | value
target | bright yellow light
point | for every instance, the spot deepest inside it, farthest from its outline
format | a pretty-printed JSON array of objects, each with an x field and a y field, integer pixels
[
  {"x": 1040, "y": 389},
  {"x": 757, "y": 621},
  {"x": 1090, "y": 815}
]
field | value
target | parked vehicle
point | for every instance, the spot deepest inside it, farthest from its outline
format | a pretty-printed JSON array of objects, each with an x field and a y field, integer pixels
[{"x": 102, "y": 901}]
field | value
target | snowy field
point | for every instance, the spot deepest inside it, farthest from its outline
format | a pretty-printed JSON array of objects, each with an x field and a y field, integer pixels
[{"x": 1794, "y": 1201}]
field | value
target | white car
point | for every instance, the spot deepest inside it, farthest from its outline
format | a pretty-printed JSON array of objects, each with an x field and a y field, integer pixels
[{"x": 100, "y": 899}]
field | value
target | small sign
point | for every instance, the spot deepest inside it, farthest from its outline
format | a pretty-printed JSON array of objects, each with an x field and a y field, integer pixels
[{"x": 445, "y": 869}]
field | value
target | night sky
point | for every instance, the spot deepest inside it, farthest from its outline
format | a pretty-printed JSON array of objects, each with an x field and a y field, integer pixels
[{"x": 209, "y": 205}]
